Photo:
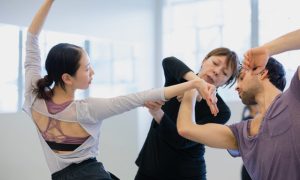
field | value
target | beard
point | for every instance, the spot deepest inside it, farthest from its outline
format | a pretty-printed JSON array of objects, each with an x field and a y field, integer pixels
[{"x": 248, "y": 98}]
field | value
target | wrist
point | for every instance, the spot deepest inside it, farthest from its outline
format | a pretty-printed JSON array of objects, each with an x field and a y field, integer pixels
[
  {"x": 268, "y": 49},
  {"x": 199, "y": 83},
  {"x": 157, "y": 115}
]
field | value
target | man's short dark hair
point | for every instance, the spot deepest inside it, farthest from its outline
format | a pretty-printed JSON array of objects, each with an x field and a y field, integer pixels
[{"x": 276, "y": 73}]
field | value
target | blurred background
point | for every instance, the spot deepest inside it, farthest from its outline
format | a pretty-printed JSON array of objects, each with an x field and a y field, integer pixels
[{"x": 126, "y": 41}]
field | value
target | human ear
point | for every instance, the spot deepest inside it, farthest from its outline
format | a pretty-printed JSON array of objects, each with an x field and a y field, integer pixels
[
  {"x": 264, "y": 74},
  {"x": 67, "y": 78}
]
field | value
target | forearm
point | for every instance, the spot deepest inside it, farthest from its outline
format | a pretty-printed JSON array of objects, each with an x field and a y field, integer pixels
[
  {"x": 213, "y": 135},
  {"x": 40, "y": 17},
  {"x": 175, "y": 90},
  {"x": 287, "y": 42},
  {"x": 190, "y": 76},
  {"x": 186, "y": 113}
]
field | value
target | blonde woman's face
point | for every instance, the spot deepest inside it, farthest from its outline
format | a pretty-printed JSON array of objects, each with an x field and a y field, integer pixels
[{"x": 214, "y": 70}]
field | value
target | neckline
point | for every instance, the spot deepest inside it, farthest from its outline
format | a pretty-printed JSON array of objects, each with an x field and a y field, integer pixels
[{"x": 260, "y": 130}]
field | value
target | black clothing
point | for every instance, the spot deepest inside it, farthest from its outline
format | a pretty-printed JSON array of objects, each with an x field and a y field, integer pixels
[
  {"x": 89, "y": 169},
  {"x": 245, "y": 174},
  {"x": 165, "y": 154}
]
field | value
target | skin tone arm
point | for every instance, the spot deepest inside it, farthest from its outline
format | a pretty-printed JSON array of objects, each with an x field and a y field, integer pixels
[
  {"x": 213, "y": 135},
  {"x": 256, "y": 58},
  {"x": 40, "y": 17},
  {"x": 208, "y": 89}
]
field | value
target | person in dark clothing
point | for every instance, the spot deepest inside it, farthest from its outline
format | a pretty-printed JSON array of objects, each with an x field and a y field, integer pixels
[
  {"x": 166, "y": 155},
  {"x": 249, "y": 112}
]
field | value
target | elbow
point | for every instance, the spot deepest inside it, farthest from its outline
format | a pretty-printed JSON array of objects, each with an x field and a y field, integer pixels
[{"x": 183, "y": 131}]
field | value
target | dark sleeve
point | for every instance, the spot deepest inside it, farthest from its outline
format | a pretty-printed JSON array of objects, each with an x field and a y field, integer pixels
[
  {"x": 174, "y": 70},
  {"x": 238, "y": 131},
  {"x": 168, "y": 129},
  {"x": 295, "y": 85},
  {"x": 223, "y": 115},
  {"x": 168, "y": 132}
]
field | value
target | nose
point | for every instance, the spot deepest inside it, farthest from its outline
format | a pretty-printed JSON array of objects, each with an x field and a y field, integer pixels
[
  {"x": 217, "y": 70},
  {"x": 237, "y": 88},
  {"x": 92, "y": 71}
]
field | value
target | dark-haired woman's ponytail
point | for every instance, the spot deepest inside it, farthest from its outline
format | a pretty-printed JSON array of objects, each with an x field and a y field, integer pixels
[{"x": 43, "y": 89}]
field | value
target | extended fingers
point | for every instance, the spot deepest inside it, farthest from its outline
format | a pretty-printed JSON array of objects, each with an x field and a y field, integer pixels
[{"x": 213, "y": 108}]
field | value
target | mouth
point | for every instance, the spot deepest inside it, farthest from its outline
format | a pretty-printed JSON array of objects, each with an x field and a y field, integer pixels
[{"x": 210, "y": 79}]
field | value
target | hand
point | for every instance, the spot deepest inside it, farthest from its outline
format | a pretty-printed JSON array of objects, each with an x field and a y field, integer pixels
[
  {"x": 208, "y": 92},
  {"x": 155, "y": 109},
  {"x": 256, "y": 59},
  {"x": 154, "y": 105}
]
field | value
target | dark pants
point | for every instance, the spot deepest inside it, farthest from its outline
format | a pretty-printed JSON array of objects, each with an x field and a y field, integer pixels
[
  {"x": 89, "y": 169},
  {"x": 142, "y": 176},
  {"x": 245, "y": 175}
]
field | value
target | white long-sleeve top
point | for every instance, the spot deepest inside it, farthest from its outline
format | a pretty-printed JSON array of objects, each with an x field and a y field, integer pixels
[{"x": 89, "y": 112}]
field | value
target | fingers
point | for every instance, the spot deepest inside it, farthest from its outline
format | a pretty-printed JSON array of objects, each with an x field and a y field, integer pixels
[
  {"x": 257, "y": 70},
  {"x": 214, "y": 109},
  {"x": 154, "y": 105},
  {"x": 212, "y": 99},
  {"x": 248, "y": 62},
  {"x": 213, "y": 105}
]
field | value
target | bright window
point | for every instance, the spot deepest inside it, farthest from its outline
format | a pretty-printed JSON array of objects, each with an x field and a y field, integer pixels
[
  {"x": 194, "y": 28},
  {"x": 9, "y": 69},
  {"x": 278, "y": 18},
  {"x": 114, "y": 64}
]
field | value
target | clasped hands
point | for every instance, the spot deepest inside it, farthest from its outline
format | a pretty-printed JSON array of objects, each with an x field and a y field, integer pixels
[{"x": 204, "y": 91}]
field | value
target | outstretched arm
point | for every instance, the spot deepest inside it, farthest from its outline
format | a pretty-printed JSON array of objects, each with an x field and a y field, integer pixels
[
  {"x": 206, "y": 88},
  {"x": 213, "y": 135},
  {"x": 287, "y": 42},
  {"x": 257, "y": 58},
  {"x": 32, "y": 62},
  {"x": 40, "y": 17}
]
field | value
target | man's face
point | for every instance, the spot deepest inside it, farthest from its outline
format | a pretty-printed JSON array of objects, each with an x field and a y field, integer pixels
[{"x": 248, "y": 86}]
